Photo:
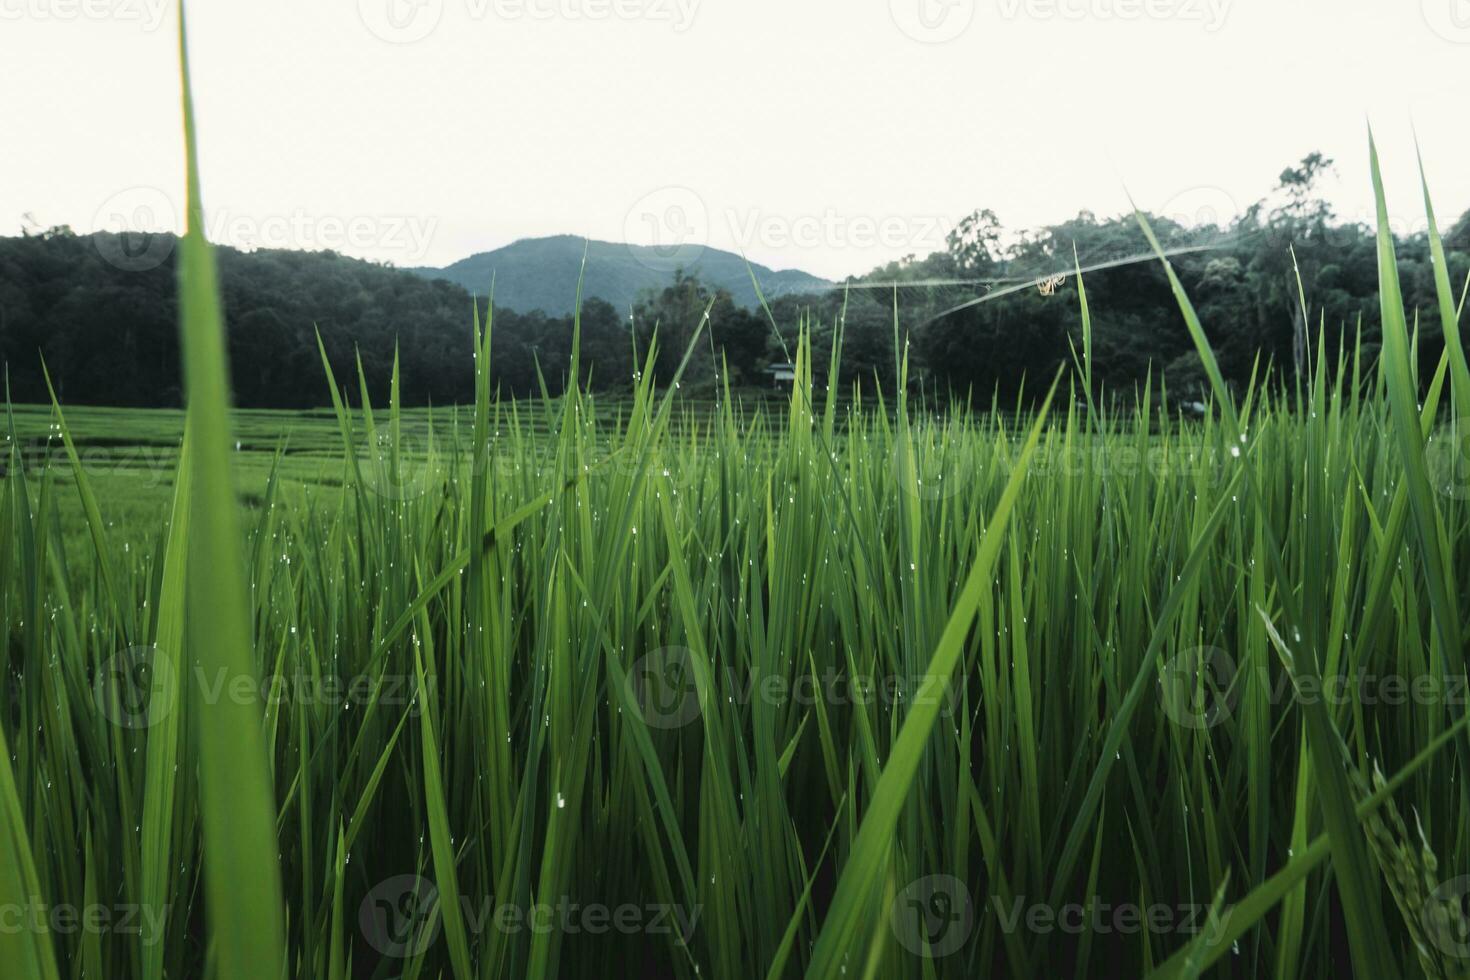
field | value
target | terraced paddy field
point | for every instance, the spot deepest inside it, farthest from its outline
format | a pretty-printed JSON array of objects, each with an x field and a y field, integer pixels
[{"x": 131, "y": 456}]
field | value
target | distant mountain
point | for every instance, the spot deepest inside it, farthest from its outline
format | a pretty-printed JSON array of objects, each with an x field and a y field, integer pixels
[{"x": 541, "y": 273}]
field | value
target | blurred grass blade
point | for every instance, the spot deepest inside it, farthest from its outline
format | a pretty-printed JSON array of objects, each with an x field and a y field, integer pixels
[{"x": 242, "y": 877}]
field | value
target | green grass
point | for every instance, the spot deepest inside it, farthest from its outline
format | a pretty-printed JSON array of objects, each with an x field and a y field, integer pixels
[
  {"x": 834, "y": 687},
  {"x": 635, "y": 693}
]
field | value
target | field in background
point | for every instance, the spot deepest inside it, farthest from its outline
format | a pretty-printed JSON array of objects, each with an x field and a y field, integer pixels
[{"x": 131, "y": 455}]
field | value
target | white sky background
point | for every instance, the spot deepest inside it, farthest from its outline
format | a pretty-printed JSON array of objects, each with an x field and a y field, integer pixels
[{"x": 827, "y": 135}]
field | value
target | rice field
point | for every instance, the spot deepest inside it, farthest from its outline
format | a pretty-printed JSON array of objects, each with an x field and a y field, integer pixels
[{"x": 831, "y": 688}]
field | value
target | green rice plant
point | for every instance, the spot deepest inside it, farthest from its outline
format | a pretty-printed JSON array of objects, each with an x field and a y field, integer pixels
[
  {"x": 237, "y": 808},
  {"x": 835, "y": 686}
]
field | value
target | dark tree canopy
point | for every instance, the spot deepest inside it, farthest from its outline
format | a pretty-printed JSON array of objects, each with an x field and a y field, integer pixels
[{"x": 101, "y": 310}]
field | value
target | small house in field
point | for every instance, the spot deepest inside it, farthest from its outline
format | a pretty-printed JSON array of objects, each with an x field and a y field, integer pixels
[{"x": 783, "y": 375}]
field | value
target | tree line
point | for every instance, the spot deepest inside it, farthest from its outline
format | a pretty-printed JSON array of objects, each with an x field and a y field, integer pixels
[{"x": 983, "y": 316}]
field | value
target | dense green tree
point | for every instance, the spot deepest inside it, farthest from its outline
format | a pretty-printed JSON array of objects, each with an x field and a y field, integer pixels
[
  {"x": 734, "y": 335},
  {"x": 994, "y": 312}
]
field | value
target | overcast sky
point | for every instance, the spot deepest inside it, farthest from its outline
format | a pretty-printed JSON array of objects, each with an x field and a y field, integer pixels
[{"x": 828, "y": 135}]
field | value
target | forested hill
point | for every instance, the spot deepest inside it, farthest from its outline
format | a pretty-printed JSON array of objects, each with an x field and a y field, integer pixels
[
  {"x": 994, "y": 314},
  {"x": 541, "y": 273},
  {"x": 101, "y": 310}
]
